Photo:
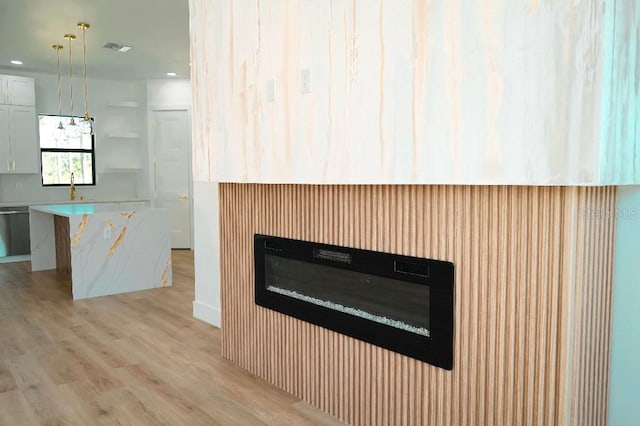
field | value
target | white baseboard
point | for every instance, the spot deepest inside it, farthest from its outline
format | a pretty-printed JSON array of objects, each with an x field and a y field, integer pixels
[{"x": 206, "y": 313}]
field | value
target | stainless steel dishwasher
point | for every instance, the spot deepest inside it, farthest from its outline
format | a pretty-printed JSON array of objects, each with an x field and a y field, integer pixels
[{"x": 14, "y": 232}]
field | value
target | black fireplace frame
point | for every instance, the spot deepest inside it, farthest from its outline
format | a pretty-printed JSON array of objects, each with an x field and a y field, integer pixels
[{"x": 437, "y": 349}]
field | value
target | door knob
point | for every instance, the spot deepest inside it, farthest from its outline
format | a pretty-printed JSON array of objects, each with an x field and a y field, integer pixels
[{"x": 184, "y": 197}]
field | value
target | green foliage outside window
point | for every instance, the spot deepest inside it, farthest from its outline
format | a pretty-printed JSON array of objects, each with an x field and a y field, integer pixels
[
  {"x": 62, "y": 156},
  {"x": 57, "y": 168}
]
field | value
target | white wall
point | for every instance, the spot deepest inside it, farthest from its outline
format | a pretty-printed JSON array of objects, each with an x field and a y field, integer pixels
[
  {"x": 169, "y": 93},
  {"x": 112, "y": 153},
  {"x": 176, "y": 94},
  {"x": 624, "y": 388},
  {"x": 207, "y": 253}
]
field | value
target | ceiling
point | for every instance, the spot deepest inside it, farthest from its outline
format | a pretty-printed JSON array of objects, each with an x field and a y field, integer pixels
[{"x": 158, "y": 30}]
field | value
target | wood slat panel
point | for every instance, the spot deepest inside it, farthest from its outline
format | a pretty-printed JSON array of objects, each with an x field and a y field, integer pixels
[
  {"x": 63, "y": 244},
  {"x": 592, "y": 308},
  {"x": 532, "y": 301}
]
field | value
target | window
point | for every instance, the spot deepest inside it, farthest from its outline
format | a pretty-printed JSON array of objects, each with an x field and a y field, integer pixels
[{"x": 60, "y": 158}]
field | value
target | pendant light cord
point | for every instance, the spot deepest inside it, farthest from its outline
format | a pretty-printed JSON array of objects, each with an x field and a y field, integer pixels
[
  {"x": 70, "y": 38},
  {"x": 59, "y": 82},
  {"x": 84, "y": 60}
]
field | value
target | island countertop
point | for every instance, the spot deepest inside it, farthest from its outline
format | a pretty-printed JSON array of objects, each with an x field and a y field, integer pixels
[{"x": 69, "y": 210}]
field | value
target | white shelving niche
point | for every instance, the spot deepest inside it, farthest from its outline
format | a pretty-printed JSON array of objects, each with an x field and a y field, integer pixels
[{"x": 121, "y": 154}]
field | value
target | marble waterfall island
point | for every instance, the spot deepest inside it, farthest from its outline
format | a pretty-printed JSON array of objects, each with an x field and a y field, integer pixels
[{"x": 107, "y": 248}]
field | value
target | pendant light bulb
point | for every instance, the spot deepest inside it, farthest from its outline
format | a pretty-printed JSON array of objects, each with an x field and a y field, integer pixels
[
  {"x": 72, "y": 130},
  {"x": 86, "y": 125}
]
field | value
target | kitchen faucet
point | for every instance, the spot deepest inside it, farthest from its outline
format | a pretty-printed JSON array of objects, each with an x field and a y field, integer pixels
[{"x": 72, "y": 189}]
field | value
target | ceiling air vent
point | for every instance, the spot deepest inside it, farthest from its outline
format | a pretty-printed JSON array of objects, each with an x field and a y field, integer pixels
[{"x": 118, "y": 47}]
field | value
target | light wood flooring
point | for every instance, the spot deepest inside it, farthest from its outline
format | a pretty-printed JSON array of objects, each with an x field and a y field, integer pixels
[{"x": 138, "y": 358}]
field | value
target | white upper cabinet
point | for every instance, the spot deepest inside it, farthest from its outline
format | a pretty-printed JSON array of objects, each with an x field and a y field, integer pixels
[
  {"x": 4, "y": 89},
  {"x": 18, "y": 139},
  {"x": 16, "y": 90},
  {"x": 18, "y": 126},
  {"x": 23, "y": 134},
  {"x": 5, "y": 153}
]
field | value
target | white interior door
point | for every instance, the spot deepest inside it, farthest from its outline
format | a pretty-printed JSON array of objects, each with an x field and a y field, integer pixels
[{"x": 171, "y": 135}]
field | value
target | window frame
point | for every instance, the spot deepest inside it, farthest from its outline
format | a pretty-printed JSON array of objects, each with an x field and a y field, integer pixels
[{"x": 91, "y": 151}]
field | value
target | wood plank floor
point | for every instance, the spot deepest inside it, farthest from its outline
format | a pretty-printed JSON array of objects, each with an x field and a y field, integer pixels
[{"x": 136, "y": 358}]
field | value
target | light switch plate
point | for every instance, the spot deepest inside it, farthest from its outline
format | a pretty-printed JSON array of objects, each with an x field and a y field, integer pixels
[
  {"x": 270, "y": 90},
  {"x": 305, "y": 81}
]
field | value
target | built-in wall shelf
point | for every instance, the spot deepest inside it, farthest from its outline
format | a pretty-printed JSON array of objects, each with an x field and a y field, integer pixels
[
  {"x": 123, "y": 135},
  {"x": 113, "y": 170},
  {"x": 124, "y": 104}
]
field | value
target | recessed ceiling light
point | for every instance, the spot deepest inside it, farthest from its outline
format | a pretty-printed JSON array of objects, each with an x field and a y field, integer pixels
[
  {"x": 16, "y": 62},
  {"x": 171, "y": 74}
]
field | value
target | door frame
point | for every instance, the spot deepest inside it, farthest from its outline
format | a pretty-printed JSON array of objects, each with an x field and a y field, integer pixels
[{"x": 151, "y": 176}]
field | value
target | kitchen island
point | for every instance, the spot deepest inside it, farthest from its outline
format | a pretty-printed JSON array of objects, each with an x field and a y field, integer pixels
[{"x": 106, "y": 248}]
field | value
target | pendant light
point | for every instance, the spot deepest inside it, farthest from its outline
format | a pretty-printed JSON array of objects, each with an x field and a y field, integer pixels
[
  {"x": 58, "y": 132},
  {"x": 86, "y": 125},
  {"x": 72, "y": 130}
]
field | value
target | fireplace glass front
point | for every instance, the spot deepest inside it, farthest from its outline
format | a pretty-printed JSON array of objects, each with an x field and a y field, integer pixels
[{"x": 401, "y": 303}]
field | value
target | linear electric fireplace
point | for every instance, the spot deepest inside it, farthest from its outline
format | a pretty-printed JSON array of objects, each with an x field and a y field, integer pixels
[{"x": 401, "y": 303}]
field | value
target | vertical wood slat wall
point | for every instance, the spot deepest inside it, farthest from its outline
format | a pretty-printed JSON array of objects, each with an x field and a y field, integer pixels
[
  {"x": 533, "y": 277},
  {"x": 63, "y": 244}
]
